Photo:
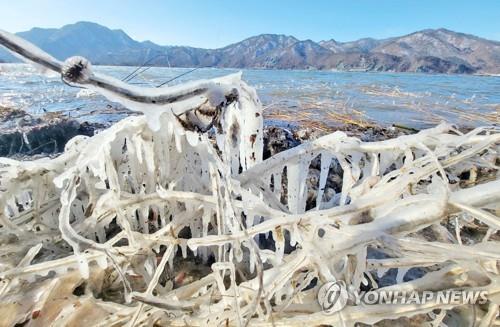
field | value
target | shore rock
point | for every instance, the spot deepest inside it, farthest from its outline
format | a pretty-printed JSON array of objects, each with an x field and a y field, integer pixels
[{"x": 25, "y": 136}]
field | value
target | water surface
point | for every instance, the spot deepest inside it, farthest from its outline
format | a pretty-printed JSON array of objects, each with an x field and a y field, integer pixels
[{"x": 415, "y": 100}]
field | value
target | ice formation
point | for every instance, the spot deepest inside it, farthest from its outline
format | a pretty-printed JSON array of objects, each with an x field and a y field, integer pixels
[{"x": 153, "y": 222}]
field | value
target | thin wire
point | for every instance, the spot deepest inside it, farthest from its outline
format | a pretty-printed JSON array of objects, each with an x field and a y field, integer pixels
[
  {"x": 129, "y": 76},
  {"x": 138, "y": 73},
  {"x": 176, "y": 77}
]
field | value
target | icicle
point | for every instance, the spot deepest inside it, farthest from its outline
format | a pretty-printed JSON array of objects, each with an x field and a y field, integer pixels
[
  {"x": 326, "y": 160},
  {"x": 297, "y": 186},
  {"x": 252, "y": 261},
  {"x": 294, "y": 235},
  {"x": 277, "y": 184},
  {"x": 279, "y": 242},
  {"x": 401, "y": 274}
]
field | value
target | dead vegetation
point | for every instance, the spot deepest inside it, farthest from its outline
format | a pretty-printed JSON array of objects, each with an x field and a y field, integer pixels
[{"x": 150, "y": 224}]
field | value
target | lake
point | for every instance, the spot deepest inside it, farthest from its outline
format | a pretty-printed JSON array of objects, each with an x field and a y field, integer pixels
[{"x": 329, "y": 98}]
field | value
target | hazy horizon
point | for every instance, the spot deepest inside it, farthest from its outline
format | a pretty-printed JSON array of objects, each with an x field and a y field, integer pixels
[
  {"x": 250, "y": 36},
  {"x": 218, "y": 24}
]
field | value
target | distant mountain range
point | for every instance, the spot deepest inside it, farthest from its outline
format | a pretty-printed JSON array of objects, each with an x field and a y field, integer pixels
[{"x": 430, "y": 51}]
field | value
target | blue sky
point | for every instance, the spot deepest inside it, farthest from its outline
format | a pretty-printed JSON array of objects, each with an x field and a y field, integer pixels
[{"x": 216, "y": 23}]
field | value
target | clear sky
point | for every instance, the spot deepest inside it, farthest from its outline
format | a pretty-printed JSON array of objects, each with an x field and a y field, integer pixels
[{"x": 216, "y": 23}]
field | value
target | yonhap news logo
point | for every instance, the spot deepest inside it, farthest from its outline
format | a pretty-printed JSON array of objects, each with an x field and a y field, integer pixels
[{"x": 334, "y": 296}]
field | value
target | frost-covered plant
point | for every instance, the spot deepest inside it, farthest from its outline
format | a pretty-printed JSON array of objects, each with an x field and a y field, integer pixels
[{"x": 153, "y": 222}]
